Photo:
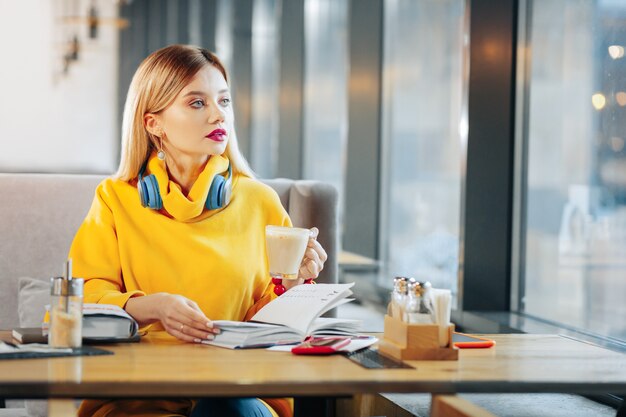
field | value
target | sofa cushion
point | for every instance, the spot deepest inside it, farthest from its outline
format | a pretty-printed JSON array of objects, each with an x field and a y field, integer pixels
[{"x": 33, "y": 295}]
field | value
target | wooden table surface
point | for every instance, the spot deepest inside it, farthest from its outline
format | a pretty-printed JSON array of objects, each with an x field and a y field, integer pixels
[{"x": 160, "y": 367}]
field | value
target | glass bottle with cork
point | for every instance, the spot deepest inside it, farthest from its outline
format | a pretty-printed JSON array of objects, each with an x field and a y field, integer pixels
[{"x": 398, "y": 298}]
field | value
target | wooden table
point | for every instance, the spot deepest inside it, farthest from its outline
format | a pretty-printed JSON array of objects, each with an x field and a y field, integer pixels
[{"x": 161, "y": 367}]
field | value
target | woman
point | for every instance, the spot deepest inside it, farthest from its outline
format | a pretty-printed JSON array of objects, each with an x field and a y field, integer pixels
[{"x": 190, "y": 248}]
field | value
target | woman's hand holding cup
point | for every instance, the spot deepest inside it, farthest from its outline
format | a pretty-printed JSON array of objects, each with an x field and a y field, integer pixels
[{"x": 312, "y": 262}]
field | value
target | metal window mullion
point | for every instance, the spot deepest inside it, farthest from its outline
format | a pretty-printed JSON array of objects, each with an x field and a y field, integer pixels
[
  {"x": 133, "y": 49},
  {"x": 463, "y": 155},
  {"x": 156, "y": 22},
  {"x": 208, "y": 20},
  {"x": 522, "y": 112},
  {"x": 182, "y": 24},
  {"x": 389, "y": 15},
  {"x": 241, "y": 70},
  {"x": 490, "y": 151}
]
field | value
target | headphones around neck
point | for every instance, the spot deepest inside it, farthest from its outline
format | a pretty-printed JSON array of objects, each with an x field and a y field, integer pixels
[{"x": 218, "y": 197}]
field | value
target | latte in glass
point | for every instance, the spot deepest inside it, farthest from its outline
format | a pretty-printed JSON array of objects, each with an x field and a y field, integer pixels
[{"x": 285, "y": 250}]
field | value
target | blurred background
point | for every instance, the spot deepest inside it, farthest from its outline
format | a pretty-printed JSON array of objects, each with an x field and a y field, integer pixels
[{"x": 479, "y": 145}]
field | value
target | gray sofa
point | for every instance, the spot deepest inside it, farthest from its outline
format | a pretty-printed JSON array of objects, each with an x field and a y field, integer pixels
[{"x": 40, "y": 213}]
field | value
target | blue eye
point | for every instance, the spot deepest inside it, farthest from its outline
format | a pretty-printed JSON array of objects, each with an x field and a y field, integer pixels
[
  {"x": 197, "y": 104},
  {"x": 225, "y": 101}
]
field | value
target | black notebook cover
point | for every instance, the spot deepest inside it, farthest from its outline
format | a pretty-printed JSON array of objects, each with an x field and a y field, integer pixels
[
  {"x": 82, "y": 351},
  {"x": 371, "y": 359},
  {"x": 35, "y": 335}
]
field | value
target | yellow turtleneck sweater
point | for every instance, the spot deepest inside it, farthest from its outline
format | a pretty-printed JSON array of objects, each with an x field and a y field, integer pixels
[{"x": 216, "y": 258}]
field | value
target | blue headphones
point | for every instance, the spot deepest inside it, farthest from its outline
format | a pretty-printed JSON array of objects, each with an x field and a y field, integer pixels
[{"x": 219, "y": 192}]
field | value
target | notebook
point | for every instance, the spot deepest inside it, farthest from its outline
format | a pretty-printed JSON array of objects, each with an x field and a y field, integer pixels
[{"x": 33, "y": 351}]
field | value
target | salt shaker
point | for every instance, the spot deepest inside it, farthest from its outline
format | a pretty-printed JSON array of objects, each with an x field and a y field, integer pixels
[
  {"x": 418, "y": 308},
  {"x": 398, "y": 296},
  {"x": 66, "y": 310}
]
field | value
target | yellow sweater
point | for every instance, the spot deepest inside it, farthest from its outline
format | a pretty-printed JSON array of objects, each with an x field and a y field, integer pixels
[{"x": 215, "y": 257}]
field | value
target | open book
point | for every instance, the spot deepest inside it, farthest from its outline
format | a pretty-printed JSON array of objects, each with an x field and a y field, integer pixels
[{"x": 290, "y": 318}]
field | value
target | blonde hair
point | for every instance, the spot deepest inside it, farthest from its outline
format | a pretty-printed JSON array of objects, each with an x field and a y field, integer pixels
[{"x": 155, "y": 85}]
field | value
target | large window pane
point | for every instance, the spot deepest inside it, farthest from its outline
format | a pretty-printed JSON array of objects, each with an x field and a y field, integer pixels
[
  {"x": 265, "y": 79},
  {"x": 424, "y": 132},
  {"x": 223, "y": 32},
  {"x": 575, "y": 240},
  {"x": 325, "y": 92}
]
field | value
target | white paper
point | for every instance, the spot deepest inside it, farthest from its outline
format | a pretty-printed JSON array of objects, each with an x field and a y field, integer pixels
[{"x": 357, "y": 343}]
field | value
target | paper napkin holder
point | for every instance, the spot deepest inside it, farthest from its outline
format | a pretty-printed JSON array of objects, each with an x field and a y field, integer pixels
[{"x": 415, "y": 341}]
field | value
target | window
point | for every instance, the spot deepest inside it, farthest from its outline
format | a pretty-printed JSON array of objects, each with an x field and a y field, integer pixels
[
  {"x": 574, "y": 270},
  {"x": 223, "y": 31},
  {"x": 265, "y": 84},
  {"x": 325, "y": 92},
  {"x": 424, "y": 131}
]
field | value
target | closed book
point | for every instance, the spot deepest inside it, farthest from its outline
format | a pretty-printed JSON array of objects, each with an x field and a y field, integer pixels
[
  {"x": 102, "y": 323},
  {"x": 290, "y": 318},
  {"x": 29, "y": 335},
  {"x": 108, "y": 323}
]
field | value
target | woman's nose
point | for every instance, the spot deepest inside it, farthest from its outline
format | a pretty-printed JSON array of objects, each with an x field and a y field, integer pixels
[{"x": 216, "y": 114}]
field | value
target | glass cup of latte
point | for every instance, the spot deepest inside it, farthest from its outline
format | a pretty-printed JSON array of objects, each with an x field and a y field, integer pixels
[{"x": 285, "y": 250}]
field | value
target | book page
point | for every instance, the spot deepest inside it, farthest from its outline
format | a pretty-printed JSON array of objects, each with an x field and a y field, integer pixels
[
  {"x": 229, "y": 324},
  {"x": 301, "y": 305}
]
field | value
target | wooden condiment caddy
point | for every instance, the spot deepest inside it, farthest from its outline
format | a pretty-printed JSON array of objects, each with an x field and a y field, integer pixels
[{"x": 415, "y": 341}]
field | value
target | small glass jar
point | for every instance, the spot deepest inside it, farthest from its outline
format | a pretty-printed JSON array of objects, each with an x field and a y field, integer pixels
[
  {"x": 66, "y": 313},
  {"x": 398, "y": 298},
  {"x": 418, "y": 308}
]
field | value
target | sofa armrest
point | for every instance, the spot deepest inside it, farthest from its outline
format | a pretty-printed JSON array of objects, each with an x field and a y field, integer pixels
[{"x": 313, "y": 203}]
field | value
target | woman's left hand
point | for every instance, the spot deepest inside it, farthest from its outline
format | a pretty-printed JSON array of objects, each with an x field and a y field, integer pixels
[{"x": 312, "y": 262}]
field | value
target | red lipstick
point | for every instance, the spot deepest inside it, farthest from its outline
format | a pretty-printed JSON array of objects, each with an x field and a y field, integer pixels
[{"x": 218, "y": 135}]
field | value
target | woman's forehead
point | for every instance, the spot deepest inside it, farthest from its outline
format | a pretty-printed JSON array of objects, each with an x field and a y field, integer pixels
[{"x": 208, "y": 79}]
